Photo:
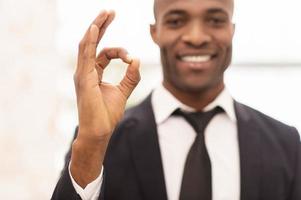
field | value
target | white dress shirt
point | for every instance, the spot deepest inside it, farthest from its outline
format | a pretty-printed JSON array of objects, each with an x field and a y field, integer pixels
[{"x": 175, "y": 139}]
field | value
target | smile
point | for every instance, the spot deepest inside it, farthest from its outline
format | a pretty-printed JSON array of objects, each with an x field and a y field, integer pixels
[
  {"x": 196, "y": 61},
  {"x": 196, "y": 58}
]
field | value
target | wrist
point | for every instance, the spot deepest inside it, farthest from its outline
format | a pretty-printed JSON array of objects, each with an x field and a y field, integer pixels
[
  {"x": 93, "y": 138},
  {"x": 86, "y": 162},
  {"x": 89, "y": 149}
]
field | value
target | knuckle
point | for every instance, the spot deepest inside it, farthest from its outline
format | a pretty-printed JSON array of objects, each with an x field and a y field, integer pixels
[
  {"x": 106, "y": 49},
  {"x": 87, "y": 54},
  {"x": 121, "y": 52},
  {"x": 79, "y": 84},
  {"x": 75, "y": 77},
  {"x": 121, "y": 49},
  {"x": 84, "y": 56},
  {"x": 132, "y": 81},
  {"x": 93, "y": 43},
  {"x": 81, "y": 44},
  {"x": 79, "y": 81},
  {"x": 76, "y": 80},
  {"x": 103, "y": 51}
]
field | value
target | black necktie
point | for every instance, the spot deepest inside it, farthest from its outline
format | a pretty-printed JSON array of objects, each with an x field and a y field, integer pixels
[{"x": 196, "y": 182}]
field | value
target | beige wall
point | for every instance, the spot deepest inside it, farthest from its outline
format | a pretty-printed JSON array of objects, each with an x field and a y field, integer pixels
[{"x": 29, "y": 100}]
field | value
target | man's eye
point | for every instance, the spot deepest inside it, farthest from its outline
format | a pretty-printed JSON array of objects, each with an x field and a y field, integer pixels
[
  {"x": 174, "y": 22},
  {"x": 217, "y": 21}
]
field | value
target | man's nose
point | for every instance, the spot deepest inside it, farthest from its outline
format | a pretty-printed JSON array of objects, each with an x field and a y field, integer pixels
[{"x": 196, "y": 34}]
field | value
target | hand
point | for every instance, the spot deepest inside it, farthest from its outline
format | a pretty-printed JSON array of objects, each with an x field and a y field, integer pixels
[{"x": 100, "y": 105}]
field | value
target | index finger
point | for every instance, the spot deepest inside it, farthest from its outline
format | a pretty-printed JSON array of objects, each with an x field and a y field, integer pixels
[
  {"x": 102, "y": 21},
  {"x": 99, "y": 21},
  {"x": 87, "y": 47},
  {"x": 103, "y": 27}
]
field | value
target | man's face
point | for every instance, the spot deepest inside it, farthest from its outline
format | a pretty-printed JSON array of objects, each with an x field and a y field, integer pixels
[{"x": 195, "y": 40}]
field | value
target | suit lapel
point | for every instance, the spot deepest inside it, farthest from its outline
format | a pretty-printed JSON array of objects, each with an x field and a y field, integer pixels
[
  {"x": 250, "y": 159},
  {"x": 146, "y": 153}
]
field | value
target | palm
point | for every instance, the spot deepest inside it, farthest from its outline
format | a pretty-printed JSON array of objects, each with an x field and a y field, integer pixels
[{"x": 114, "y": 101}]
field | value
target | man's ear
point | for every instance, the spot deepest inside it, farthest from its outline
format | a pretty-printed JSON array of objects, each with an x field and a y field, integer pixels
[
  {"x": 153, "y": 32},
  {"x": 233, "y": 26}
]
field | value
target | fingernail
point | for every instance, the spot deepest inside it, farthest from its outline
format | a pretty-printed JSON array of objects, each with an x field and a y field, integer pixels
[
  {"x": 129, "y": 58},
  {"x": 112, "y": 12},
  {"x": 93, "y": 26}
]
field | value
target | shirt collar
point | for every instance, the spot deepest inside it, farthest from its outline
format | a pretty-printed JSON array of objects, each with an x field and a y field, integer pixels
[{"x": 164, "y": 104}]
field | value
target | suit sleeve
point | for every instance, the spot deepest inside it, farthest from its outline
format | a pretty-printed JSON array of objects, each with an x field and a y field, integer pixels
[
  {"x": 64, "y": 188},
  {"x": 296, "y": 189},
  {"x": 91, "y": 191}
]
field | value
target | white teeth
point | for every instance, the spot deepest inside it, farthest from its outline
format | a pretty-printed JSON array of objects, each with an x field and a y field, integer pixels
[{"x": 204, "y": 58}]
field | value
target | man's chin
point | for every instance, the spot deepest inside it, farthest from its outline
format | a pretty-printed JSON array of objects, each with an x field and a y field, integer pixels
[{"x": 192, "y": 88}]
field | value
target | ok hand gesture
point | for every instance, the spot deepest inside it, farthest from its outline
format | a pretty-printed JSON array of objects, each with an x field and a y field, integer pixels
[{"x": 100, "y": 105}]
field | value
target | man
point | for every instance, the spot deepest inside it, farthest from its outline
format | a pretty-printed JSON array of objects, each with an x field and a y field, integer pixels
[{"x": 148, "y": 152}]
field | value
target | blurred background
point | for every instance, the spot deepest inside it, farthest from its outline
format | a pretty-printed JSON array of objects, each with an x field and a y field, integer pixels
[{"x": 38, "y": 48}]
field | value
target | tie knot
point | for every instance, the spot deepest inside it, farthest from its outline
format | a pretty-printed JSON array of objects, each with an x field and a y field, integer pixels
[{"x": 199, "y": 120}]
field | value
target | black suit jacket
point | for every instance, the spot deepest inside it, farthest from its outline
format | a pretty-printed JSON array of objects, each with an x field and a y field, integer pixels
[{"x": 270, "y": 159}]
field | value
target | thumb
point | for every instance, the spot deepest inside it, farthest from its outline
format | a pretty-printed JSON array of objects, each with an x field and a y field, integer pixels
[{"x": 131, "y": 78}]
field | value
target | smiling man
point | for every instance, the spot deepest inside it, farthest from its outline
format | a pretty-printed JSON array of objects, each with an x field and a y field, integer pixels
[
  {"x": 189, "y": 139},
  {"x": 195, "y": 39}
]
